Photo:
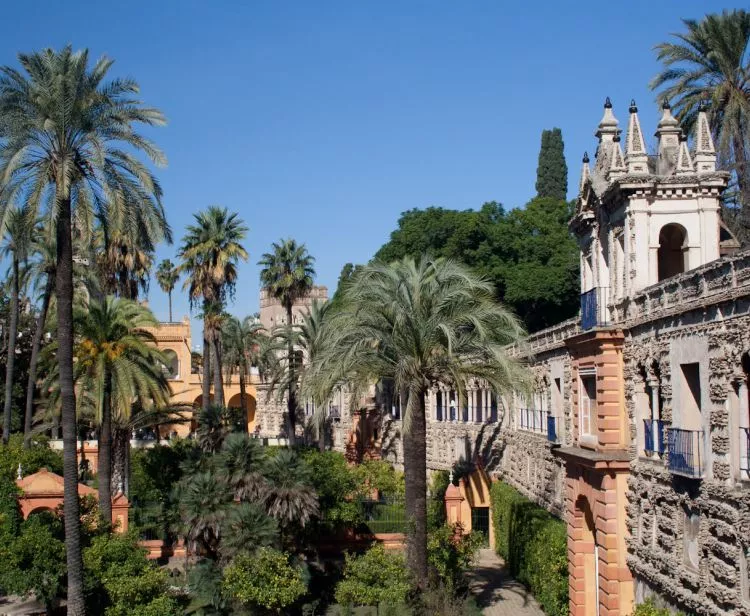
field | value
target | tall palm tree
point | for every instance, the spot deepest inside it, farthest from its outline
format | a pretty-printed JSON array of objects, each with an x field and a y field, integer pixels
[
  {"x": 70, "y": 134},
  {"x": 242, "y": 344},
  {"x": 419, "y": 324},
  {"x": 210, "y": 252},
  {"x": 124, "y": 265},
  {"x": 117, "y": 358},
  {"x": 19, "y": 231},
  {"x": 287, "y": 272},
  {"x": 710, "y": 62},
  {"x": 167, "y": 277}
]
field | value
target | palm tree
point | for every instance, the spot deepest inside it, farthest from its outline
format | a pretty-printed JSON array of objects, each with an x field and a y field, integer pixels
[
  {"x": 418, "y": 324},
  {"x": 19, "y": 231},
  {"x": 69, "y": 137},
  {"x": 167, "y": 277},
  {"x": 117, "y": 358},
  {"x": 710, "y": 62},
  {"x": 246, "y": 528},
  {"x": 287, "y": 272},
  {"x": 240, "y": 465},
  {"x": 243, "y": 343},
  {"x": 290, "y": 498},
  {"x": 124, "y": 265},
  {"x": 203, "y": 500},
  {"x": 210, "y": 252}
]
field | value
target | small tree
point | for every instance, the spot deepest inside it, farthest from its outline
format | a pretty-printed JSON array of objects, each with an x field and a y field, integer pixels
[
  {"x": 552, "y": 171},
  {"x": 167, "y": 277}
]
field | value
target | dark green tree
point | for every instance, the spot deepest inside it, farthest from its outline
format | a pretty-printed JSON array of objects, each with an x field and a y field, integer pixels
[{"x": 552, "y": 171}]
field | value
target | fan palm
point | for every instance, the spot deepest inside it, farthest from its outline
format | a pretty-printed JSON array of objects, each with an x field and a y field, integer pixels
[
  {"x": 243, "y": 345},
  {"x": 203, "y": 510},
  {"x": 68, "y": 135},
  {"x": 117, "y": 358},
  {"x": 710, "y": 62},
  {"x": 419, "y": 324},
  {"x": 210, "y": 252},
  {"x": 246, "y": 528},
  {"x": 19, "y": 231},
  {"x": 290, "y": 498},
  {"x": 214, "y": 425},
  {"x": 287, "y": 272},
  {"x": 124, "y": 265},
  {"x": 240, "y": 465},
  {"x": 167, "y": 277}
]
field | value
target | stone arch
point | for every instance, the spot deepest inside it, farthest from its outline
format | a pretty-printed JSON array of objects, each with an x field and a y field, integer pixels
[
  {"x": 672, "y": 255},
  {"x": 40, "y": 509},
  {"x": 586, "y": 551},
  {"x": 235, "y": 402},
  {"x": 171, "y": 365}
]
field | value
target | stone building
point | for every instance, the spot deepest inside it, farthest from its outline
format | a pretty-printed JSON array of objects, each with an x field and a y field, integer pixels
[{"x": 638, "y": 431}]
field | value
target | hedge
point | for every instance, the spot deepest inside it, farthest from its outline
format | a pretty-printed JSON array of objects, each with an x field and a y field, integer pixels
[{"x": 534, "y": 545}]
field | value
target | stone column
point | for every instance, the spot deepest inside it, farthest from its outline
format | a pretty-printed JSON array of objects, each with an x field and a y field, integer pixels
[{"x": 654, "y": 385}]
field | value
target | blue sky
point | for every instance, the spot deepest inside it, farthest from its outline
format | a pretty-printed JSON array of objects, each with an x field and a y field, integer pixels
[{"x": 323, "y": 121}]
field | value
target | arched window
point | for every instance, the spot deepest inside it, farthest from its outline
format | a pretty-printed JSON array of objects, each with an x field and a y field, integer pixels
[
  {"x": 171, "y": 366},
  {"x": 672, "y": 257}
]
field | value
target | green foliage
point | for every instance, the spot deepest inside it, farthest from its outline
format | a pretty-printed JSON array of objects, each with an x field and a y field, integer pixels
[
  {"x": 10, "y": 514},
  {"x": 335, "y": 482},
  {"x": 376, "y": 577},
  {"x": 649, "y": 608},
  {"x": 534, "y": 546},
  {"x": 451, "y": 553},
  {"x": 436, "y": 504},
  {"x": 527, "y": 253},
  {"x": 34, "y": 560},
  {"x": 121, "y": 581},
  {"x": 32, "y": 459},
  {"x": 381, "y": 476},
  {"x": 552, "y": 171},
  {"x": 266, "y": 580}
]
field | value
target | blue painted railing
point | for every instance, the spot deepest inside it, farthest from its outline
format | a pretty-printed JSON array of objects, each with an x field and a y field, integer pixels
[
  {"x": 684, "y": 456},
  {"x": 649, "y": 446},
  {"x": 593, "y": 306},
  {"x": 745, "y": 450},
  {"x": 552, "y": 429}
]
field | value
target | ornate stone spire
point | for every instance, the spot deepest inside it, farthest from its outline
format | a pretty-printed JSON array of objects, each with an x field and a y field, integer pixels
[
  {"x": 617, "y": 169},
  {"x": 636, "y": 156},
  {"x": 705, "y": 152},
  {"x": 684, "y": 161},
  {"x": 668, "y": 133},
  {"x": 606, "y": 132},
  {"x": 585, "y": 173}
]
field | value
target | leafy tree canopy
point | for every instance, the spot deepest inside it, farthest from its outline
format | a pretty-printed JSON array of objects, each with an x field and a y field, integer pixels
[
  {"x": 527, "y": 253},
  {"x": 552, "y": 172}
]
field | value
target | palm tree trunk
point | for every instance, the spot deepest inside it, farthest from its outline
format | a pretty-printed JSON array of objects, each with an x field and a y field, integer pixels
[
  {"x": 120, "y": 460},
  {"x": 742, "y": 184},
  {"x": 243, "y": 399},
  {"x": 169, "y": 294},
  {"x": 10, "y": 365},
  {"x": 292, "y": 396},
  {"x": 217, "y": 373},
  {"x": 415, "y": 475},
  {"x": 64, "y": 287},
  {"x": 35, "y": 346},
  {"x": 104, "y": 467},
  {"x": 206, "y": 400}
]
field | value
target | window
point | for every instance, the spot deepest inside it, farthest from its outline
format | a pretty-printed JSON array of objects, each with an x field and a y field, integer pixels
[
  {"x": 691, "y": 396},
  {"x": 691, "y": 530},
  {"x": 672, "y": 255},
  {"x": 587, "y": 403},
  {"x": 171, "y": 366}
]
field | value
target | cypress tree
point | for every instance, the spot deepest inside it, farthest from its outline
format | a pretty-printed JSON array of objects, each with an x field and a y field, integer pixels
[{"x": 552, "y": 172}]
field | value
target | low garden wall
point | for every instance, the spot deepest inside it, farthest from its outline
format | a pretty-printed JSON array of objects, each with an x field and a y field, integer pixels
[{"x": 534, "y": 545}]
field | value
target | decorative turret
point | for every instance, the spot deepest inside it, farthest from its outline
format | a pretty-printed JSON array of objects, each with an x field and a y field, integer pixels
[
  {"x": 607, "y": 131},
  {"x": 684, "y": 161},
  {"x": 636, "y": 156},
  {"x": 585, "y": 173},
  {"x": 617, "y": 169},
  {"x": 705, "y": 152},
  {"x": 668, "y": 133}
]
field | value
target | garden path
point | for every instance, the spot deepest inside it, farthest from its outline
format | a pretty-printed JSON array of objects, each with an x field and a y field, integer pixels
[{"x": 497, "y": 592}]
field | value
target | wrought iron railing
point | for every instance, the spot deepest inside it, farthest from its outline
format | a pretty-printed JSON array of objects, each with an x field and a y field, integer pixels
[
  {"x": 745, "y": 450},
  {"x": 386, "y": 515},
  {"x": 685, "y": 452},
  {"x": 653, "y": 436},
  {"x": 594, "y": 307},
  {"x": 552, "y": 436}
]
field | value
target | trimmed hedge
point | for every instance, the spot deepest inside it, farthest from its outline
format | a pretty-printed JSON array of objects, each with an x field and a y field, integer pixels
[{"x": 534, "y": 545}]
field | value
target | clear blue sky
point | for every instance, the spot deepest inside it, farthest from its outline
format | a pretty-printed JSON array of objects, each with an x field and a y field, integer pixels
[{"x": 323, "y": 121}]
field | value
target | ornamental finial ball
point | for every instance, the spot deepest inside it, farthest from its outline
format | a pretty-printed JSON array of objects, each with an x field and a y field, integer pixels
[
  {"x": 633, "y": 108},
  {"x": 607, "y": 103},
  {"x": 585, "y": 157}
]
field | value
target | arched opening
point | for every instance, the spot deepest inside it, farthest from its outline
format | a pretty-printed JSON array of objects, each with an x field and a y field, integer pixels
[
  {"x": 171, "y": 365},
  {"x": 235, "y": 402},
  {"x": 672, "y": 255},
  {"x": 589, "y": 551}
]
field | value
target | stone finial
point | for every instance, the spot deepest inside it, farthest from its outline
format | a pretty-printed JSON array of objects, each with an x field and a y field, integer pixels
[
  {"x": 636, "y": 157},
  {"x": 19, "y": 472},
  {"x": 618, "y": 168},
  {"x": 450, "y": 478},
  {"x": 585, "y": 173},
  {"x": 606, "y": 132},
  {"x": 684, "y": 160},
  {"x": 705, "y": 152},
  {"x": 668, "y": 133}
]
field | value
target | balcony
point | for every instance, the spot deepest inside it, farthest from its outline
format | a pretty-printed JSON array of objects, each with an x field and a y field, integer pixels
[
  {"x": 594, "y": 308},
  {"x": 685, "y": 452},
  {"x": 653, "y": 437},
  {"x": 533, "y": 420},
  {"x": 745, "y": 452}
]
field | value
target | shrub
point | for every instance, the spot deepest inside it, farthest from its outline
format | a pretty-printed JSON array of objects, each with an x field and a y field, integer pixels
[
  {"x": 31, "y": 460},
  {"x": 436, "y": 504},
  {"x": 381, "y": 476},
  {"x": 336, "y": 483},
  {"x": 265, "y": 580},
  {"x": 648, "y": 608},
  {"x": 450, "y": 553},
  {"x": 374, "y": 578},
  {"x": 534, "y": 546}
]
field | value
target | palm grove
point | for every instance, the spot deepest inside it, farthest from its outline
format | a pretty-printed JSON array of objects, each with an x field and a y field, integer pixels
[{"x": 82, "y": 214}]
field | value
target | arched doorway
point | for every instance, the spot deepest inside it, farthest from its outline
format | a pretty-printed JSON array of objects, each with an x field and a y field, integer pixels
[
  {"x": 235, "y": 402},
  {"x": 587, "y": 552},
  {"x": 672, "y": 255}
]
